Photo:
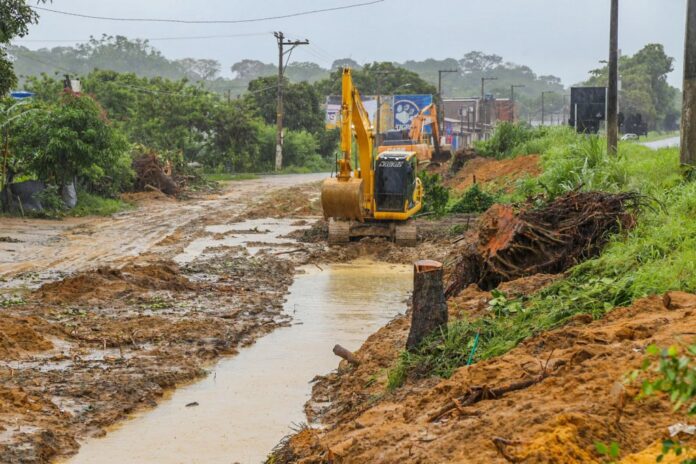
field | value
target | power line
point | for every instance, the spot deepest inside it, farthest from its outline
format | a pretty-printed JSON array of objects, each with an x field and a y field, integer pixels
[
  {"x": 153, "y": 39},
  {"x": 210, "y": 21}
]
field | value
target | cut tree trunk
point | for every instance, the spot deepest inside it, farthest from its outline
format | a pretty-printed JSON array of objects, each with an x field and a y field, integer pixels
[{"x": 429, "y": 307}]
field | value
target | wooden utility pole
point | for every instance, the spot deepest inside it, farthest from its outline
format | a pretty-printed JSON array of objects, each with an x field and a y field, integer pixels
[
  {"x": 688, "y": 122},
  {"x": 613, "y": 86},
  {"x": 279, "y": 110}
]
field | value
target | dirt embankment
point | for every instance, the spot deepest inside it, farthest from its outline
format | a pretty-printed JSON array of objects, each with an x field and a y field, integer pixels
[
  {"x": 581, "y": 399},
  {"x": 497, "y": 174}
]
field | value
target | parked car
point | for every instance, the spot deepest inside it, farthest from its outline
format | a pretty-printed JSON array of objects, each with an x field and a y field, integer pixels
[{"x": 629, "y": 137}]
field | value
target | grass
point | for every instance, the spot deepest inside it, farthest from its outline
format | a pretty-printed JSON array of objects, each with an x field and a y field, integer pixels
[
  {"x": 658, "y": 255},
  {"x": 93, "y": 205},
  {"x": 227, "y": 176}
]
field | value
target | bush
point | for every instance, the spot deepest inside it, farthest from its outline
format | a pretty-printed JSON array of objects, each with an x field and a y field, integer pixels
[
  {"x": 435, "y": 194},
  {"x": 506, "y": 138},
  {"x": 474, "y": 200}
]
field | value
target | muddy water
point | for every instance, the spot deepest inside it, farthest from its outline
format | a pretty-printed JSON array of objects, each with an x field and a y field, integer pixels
[{"x": 248, "y": 403}]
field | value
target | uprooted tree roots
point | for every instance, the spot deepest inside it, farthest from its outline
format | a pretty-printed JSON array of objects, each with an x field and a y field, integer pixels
[
  {"x": 549, "y": 239},
  {"x": 151, "y": 175}
]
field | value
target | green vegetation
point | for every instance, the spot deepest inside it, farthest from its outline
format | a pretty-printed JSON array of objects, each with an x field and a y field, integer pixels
[
  {"x": 15, "y": 18},
  {"x": 227, "y": 176},
  {"x": 435, "y": 195},
  {"x": 474, "y": 200},
  {"x": 644, "y": 87},
  {"x": 657, "y": 255},
  {"x": 89, "y": 204},
  {"x": 672, "y": 372}
]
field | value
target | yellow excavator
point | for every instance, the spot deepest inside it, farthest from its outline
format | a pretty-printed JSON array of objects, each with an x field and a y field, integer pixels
[
  {"x": 416, "y": 139},
  {"x": 380, "y": 194}
]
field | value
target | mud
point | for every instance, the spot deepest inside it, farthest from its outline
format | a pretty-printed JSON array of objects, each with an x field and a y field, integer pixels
[
  {"x": 557, "y": 420},
  {"x": 101, "y": 319}
]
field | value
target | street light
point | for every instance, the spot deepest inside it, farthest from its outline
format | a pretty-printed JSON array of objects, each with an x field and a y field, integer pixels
[{"x": 512, "y": 99}]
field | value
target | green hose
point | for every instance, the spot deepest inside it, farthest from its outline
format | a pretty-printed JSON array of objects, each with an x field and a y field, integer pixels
[{"x": 473, "y": 349}]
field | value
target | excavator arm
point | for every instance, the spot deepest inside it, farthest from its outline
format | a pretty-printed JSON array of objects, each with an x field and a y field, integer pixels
[{"x": 351, "y": 193}]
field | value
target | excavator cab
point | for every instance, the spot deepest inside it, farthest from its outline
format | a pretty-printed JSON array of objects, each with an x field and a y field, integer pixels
[{"x": 395, "y": 181}]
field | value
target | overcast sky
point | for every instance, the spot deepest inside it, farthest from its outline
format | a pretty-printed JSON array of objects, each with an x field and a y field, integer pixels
[{"x": 565, "y": 38}]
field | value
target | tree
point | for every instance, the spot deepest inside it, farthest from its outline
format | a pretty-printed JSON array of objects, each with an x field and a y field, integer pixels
[
  {"x": 301, "y": 103},
  {"x": 200, "y": 69},
  {"x": 385, "y": 77},
  {"x": 645, "y": 89},
  {"x": 343, "y": 63},
  {"x": 15, "y": 18},
  {"x": 72, "y": 138},
  {"x": 479, "y": 62},
  {"x": 299, "y": 71},
  {"x": 251, "y": 69}
]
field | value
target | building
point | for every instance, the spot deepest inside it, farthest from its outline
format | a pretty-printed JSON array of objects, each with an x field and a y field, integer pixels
[{"x": 470, "y": 119}]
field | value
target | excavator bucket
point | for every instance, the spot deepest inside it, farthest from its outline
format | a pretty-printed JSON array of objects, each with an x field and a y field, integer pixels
[
  {"x": 342, "y": 199},
  {"x": 444, "y": 154}
]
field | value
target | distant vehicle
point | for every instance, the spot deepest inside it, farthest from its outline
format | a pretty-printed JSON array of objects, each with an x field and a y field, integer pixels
[{"x": 629, "y": 137}]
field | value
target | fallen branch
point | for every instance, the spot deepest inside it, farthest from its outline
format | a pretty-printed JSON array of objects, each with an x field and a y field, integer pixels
[{"x": 480, "y": 393}]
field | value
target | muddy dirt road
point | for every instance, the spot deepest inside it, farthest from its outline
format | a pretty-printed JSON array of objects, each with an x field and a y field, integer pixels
[
  {"x": 101, "y": 316},
  {"x": 50, "y": 248}
]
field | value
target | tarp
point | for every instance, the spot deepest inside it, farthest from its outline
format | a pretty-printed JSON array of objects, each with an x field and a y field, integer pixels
[{"x": 19, "y": 94}]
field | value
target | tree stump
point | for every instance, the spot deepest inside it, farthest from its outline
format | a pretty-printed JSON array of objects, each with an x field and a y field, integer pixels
[{"x": 429, "y": 307}]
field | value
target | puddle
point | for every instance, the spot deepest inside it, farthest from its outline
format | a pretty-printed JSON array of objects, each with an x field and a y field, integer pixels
[
  {"x": 250, "y": 401},
  {"x": 253, "y": 234}
]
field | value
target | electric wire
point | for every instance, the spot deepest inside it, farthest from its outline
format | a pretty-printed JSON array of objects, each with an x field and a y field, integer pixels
[
  {"x": 209, "y": 21},
  {"x": 152, "y": 39}
]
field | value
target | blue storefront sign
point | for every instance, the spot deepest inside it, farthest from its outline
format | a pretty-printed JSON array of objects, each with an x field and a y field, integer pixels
[{"x": 406, "y": 107}]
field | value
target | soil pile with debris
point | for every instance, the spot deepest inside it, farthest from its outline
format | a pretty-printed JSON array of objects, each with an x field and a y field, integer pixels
[
  {"x": 301, "y": 201},
  {"x": 502, "y": 174},
  {"x": 548, "y": 400},
  {"x": 101, "y": 284},
  {"x": 549, "y": 239}
]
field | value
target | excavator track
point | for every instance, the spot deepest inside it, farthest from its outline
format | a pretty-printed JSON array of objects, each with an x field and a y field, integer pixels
[
  {"x": 406, "y": 233},
  {"x": 339, "y": 232}
]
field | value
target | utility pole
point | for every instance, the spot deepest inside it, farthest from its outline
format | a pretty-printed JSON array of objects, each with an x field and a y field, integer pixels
[
  {"x": 483, "y": 95},
  {"x": 512, "y": 99},
  {"x": 688, "y": 123},
  {"x": 441, "y": 113},
  {"x": 279, "y": 110},
  {"x": 612, "y": 88}
]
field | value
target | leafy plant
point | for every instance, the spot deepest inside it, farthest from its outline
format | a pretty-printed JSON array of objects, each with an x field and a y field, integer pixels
[
  {"x": 502, "y": 307},
  {"x": 436, "y": 195},
  {"x": 611, "y": 451},
  {"x": 670, "y": 371},
  {"x": 474, "y": 200}
]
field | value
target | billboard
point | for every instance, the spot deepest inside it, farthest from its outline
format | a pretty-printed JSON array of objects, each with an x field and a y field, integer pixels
[
  {"x": 333, "y": 109},
  {"x": 589, "y": 105},
  {"x": 406, "y": 107}
]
